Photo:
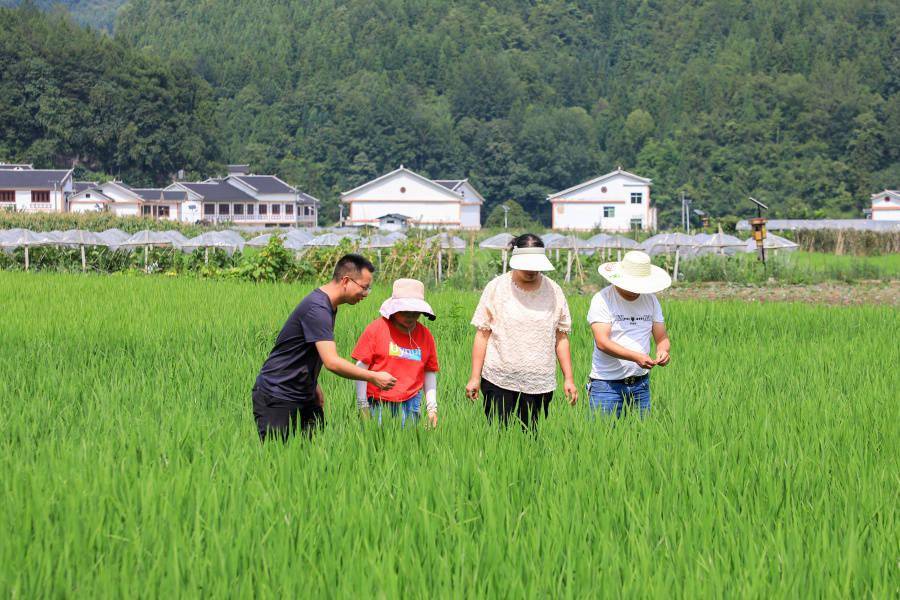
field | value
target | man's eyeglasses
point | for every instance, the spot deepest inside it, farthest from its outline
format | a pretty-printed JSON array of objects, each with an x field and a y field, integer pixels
[{"x": 365, "y": 288}]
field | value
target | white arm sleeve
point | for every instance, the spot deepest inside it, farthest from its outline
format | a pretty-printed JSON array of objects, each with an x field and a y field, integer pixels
[
  {"x": 362, "y": 403},
  {"x": 431, "y": 392}
]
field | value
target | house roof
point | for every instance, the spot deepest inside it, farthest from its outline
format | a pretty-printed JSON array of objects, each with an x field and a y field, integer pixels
[
  {"x": 157, "y": 194},
  {"x": 394, "y": 216},
  {"x": 15, "y": 166},
  {"x": 307, "y": 199},
  {"x": 216, "y": 192},
  {"x": 402, "y": 169},
  {"x": 266, "y": 184},
  {"x": 33, "y": 178},
  {"x": 81, "y": 186},
  {"x": 893, "y": 194},
  {"x": 610, "y": 175},
  {"x": 450, "y": 184}
]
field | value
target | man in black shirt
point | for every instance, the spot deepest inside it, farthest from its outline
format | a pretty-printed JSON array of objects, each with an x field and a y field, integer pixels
[{"x": 287, "y": 392}]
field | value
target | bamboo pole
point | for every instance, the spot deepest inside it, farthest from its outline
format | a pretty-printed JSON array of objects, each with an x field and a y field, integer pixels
[
  {"x": 26, "y": 257},
  {"x": 83, "y": 260}
]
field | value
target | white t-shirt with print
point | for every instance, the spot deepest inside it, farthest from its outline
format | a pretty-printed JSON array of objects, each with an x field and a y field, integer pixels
[{"x": 632, "y": 326}]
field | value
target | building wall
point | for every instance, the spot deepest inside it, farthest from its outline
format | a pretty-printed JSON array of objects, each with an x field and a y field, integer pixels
[
  {"x": 430, "y": 214},
  {"x": 470, "y": 216},
  {"x": 885, "y": 211},
  {"x": 56, "y": 204}
]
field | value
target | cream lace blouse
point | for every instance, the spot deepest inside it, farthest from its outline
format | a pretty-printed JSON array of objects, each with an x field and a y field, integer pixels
[{"x": 521, "y": 352}]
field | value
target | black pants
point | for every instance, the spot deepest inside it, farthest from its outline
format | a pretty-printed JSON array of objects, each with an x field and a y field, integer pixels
[
  {"x": 276, "y": 417},
  {"x": 500, "y": 403}
]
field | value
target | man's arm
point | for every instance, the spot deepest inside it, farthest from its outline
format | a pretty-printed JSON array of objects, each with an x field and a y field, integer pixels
[
  {"x": 479, "y": 350},
  {"x": 661, "y": 337},
  {"x": 601, "y": 338},
  {"x": 344, "y": 368}
]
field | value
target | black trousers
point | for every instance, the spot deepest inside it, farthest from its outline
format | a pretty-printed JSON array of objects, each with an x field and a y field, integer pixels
[
  {"x": 500, "y": 403},
  {"x": 281, "y": 418}
]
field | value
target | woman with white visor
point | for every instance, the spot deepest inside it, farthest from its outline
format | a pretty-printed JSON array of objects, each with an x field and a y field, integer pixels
[{"x": 523, "y": 323}]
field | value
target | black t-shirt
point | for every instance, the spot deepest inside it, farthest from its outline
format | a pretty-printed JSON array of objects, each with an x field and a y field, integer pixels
[{"x": 292, "y": 369}]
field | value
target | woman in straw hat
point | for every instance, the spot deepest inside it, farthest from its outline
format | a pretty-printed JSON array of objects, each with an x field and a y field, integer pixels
[
  {"x": 623, "y": 317},
  {"x": 399, "y": 343},
  {"x": 523, "y": 324}
]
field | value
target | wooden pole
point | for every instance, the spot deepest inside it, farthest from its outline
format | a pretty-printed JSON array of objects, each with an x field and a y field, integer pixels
[
  {"x": 569, "y": 267},
  {"x": 83, "y": 260},
  {"x": 440, "y": 266},
  {"x": 504, "y": 261},
  {"x": 677, "y": 249},
  {"x": 26, "y": 257}
]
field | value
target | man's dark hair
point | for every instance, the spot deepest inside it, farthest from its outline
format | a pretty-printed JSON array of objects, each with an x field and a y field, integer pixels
[
  {"x": 352, "y": 265},
  {"x": 526, "y": 240}
]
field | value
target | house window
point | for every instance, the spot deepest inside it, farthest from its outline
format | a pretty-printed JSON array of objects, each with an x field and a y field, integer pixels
[
  {"x": 7, "y": 196},
  {"x": 263, "y": 209},
  {"x": 637, "y": 223},
  {"x": 224, "y": 209},
  {"x": 250, "y": 209},
  {"x": 147, "y": 211},
  {"x": 637, "y": 197},
  {"x": 40, "y": 197},
  {"x": 88, "y": 195},
  {"x": 209, "y": 210},
  {"x": 288, "y": 209},
  {"x": 162, "y": 211},
  {"x": 609, "y": 211},
  {"x": 309, "y": 211},
  {"x": 238, "y": 209},
  {"x": 276, "y": 209}
]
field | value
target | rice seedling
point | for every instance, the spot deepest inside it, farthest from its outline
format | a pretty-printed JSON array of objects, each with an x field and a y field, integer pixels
[{"x": 131, "y": 467}]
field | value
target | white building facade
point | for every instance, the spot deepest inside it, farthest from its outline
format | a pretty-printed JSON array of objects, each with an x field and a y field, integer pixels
[
  {"x": 617, "y": 201},
  {"x": 449, "y": 204},
  {"x": 886, "y": 206},
  {"x": 24, "y": 189}
]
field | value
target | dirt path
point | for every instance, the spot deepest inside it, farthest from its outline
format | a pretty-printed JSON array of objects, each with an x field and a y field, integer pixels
[{"x": 865, "y": 292}]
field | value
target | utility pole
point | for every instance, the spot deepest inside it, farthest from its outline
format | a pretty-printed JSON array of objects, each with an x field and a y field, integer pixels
[{"x": 505, "y": 216}]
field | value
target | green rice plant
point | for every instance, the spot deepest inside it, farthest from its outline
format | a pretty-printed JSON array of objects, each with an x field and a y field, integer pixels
[{"x": 131, "y": 466}]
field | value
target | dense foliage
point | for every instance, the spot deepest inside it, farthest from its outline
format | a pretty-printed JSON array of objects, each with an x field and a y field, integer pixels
[
  {"x": 794, "y": 102},
  {"x": 100, "y": 14},
  {"x": 73, "y": 96}
]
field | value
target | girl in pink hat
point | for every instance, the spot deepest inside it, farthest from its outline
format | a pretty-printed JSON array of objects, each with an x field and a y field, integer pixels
[{"x": 398, "y": 343}]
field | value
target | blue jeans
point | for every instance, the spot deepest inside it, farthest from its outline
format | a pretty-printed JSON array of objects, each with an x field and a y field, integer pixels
[
  {"x": 613, "y": 397},
  {"x": 407, "y": 409}
]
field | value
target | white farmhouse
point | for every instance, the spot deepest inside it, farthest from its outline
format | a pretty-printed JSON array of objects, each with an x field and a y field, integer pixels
[
  {"x": 886, "y": 206},
  {"x": 617, "y": 201},
  {"x": 443, "y": 203},
  {"x": 25, "y": 189},
  {"x": 244, "y": 198},
  {"x": 125, "y": 201}
]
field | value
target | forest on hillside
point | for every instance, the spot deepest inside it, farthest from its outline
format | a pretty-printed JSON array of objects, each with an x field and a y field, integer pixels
[{"x": 794, "y": 102}]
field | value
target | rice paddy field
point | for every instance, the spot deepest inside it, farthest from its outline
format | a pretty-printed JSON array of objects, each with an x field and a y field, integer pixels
[{"x": 130, "y": 466}]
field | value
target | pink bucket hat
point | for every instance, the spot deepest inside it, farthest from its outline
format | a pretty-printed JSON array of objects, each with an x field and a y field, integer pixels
[{"x": 408, "y": 296}]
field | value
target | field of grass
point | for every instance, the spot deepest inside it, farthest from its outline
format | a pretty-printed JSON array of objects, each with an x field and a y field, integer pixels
[{"x": 130, "y": 464}]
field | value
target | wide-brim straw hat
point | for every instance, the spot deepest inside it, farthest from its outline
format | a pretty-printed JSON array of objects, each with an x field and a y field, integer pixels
[
  {"x": 408, "y": 296},
  {"x": 635, "y": 274},
  {"x": 530, "y": 259}
]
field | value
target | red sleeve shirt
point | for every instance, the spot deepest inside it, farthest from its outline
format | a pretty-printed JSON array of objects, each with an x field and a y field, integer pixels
[{"x": 406, "y": 356}]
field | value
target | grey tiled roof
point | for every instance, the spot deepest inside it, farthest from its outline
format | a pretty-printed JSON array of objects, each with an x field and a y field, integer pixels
[
  {"x": 80, "y": 186},
  {"x": 266, "y": 184},
  {"x": 155, "y": 194},
  {"x": 219, "y": 192},
  {"x": 307, "y": 199},
  {"x": 28, "y": 178}
]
